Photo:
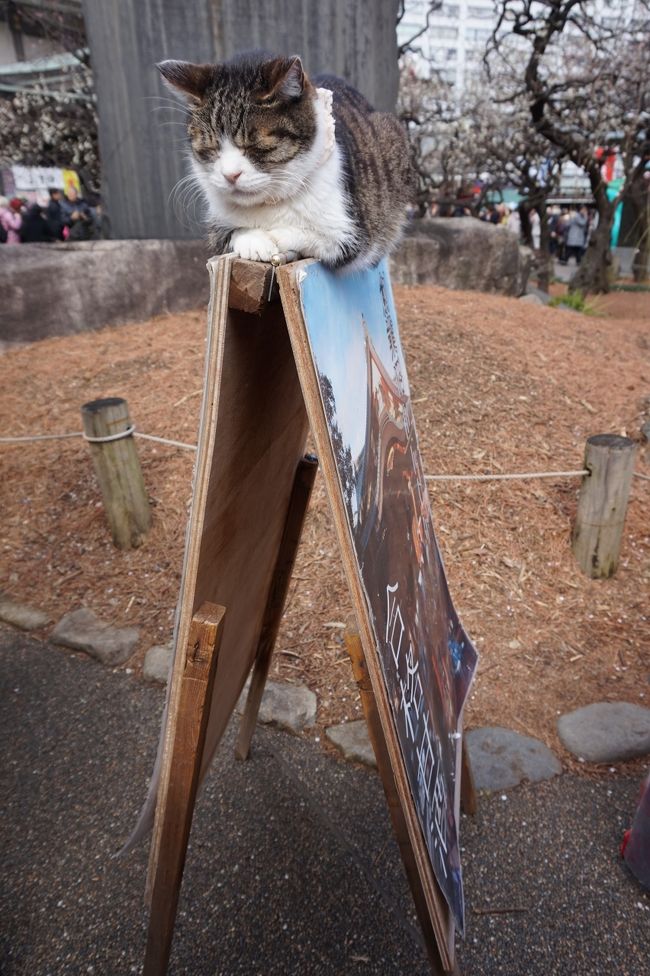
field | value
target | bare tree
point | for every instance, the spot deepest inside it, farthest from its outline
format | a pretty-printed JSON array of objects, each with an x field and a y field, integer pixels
[
  {"x": 466, "y": 149},
  {"x": 513, "y": 155},
  {"x": 409, "y": 44},
  {"x": 585, "y": 78},
  {"x": 439, "y": 134}
]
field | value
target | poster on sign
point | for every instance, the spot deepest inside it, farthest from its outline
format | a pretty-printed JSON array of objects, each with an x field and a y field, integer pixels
[{"x": 426, "y": 659}]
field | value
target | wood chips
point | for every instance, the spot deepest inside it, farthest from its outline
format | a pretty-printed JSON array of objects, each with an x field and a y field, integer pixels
[{"x": 498, "y": 385}]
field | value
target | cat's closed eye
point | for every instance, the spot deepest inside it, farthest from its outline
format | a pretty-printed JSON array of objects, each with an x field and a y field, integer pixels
[
  {"x": 205, "y": 145},
  {"x": 269, "y": 146},
  {"x": 261, "y": 147},
  {"x": 282, "y": 133}
]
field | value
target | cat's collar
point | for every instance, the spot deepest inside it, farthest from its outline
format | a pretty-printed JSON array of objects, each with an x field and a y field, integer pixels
[{"x": 324, "y": 97}]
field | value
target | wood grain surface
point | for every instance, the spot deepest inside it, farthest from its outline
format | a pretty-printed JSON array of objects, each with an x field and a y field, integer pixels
[{"x": 251, "y": 438}]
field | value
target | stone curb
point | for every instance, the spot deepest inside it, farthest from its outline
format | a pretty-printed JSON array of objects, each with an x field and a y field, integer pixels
[
  {"x": 604, "y": 732},
  {"x": 82, "y": 630},
  {"x": 289, "y": 707},
  {"x": 501, "y": 759},
  {"x": 21, "y": 615},
  {"x": 353, "y": 741},
  {"x": 157, "y": 663}
]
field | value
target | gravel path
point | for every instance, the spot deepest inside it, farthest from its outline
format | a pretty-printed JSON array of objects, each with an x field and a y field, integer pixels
[{"x": 292, "y": 868}]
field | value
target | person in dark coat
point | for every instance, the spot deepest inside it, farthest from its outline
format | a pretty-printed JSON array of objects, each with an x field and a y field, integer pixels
[
  {"x": 83, "y": 228},
  {"x": 72, "y": 206},
  {"x": 34, "y": 228},
  {"x": 54, "y": 214},
  {"x": 78, "y": 217}
]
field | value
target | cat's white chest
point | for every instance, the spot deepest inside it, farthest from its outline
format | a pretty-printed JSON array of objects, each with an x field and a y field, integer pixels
[{"x": 319, "y": 204}]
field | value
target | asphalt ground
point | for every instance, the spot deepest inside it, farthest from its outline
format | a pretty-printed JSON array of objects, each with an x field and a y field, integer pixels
[{"x": 292, "y": 868}]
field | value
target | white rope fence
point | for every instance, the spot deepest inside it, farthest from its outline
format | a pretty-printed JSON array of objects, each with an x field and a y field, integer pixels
[
  {"x": 131, "y": 431},
  {"x": 38, "y": 437},
  {"x": 507, "y": 477}
]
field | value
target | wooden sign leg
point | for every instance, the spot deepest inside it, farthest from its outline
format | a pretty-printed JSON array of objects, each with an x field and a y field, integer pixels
[
  {"x": 165, "y": 876},
  {"x": 355, "y": 650},
  {"x": 298, "y": 502},
  {"x": 468, "y": 800}
]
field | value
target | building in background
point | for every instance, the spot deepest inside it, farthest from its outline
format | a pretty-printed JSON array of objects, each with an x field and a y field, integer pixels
[
  {"x": 22, "y": 39},
  {"x": 455, "y": 41}
]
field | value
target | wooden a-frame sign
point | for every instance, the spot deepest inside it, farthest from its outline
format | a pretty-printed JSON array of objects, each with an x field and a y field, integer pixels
[{"x": 322, "y": 354}]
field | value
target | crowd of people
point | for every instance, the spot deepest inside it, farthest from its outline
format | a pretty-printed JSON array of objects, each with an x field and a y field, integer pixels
[
  {"x": 570, "y": 231},
  {"x": 65, "y": 217},
  {"x": 504, "y": 215},
  {"x": 570, "y": 228}
]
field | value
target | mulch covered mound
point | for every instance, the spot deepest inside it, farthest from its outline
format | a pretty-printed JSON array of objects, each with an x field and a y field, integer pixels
[{"x": 498, "y": 385}]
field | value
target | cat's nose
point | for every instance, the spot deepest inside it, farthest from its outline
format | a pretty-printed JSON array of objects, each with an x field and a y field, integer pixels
[{"x": 233, "y": 177}]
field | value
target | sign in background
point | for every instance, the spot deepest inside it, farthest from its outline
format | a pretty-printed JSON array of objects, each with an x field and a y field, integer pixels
[{"x": 34, "y": 182}]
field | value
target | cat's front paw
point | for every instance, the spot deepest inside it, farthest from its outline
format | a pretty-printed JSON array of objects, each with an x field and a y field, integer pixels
[{"x": 253, "y": 245}]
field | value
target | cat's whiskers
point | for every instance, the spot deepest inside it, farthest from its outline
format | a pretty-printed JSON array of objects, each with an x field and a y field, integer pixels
[
  {"x": 186, "y": 201},
  {"x": 179, "y": 141},
  {"x": 167, "y": 105},
  {"x": 165, "y": 123},
  {"x": 165, "y": 99},
  {"x": 172, "y": 106},
  {"x": 184, "y": 197},
  {"x": 165, "y": 108},
  {"x": 295, "y": 184}
]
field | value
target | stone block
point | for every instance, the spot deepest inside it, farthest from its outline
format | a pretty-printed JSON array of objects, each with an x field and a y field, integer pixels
[
  {"x": 353, "y": 741},
  {"x": 62, "y": 289},
  {"x": 20, "y": 615},
  {"x": 543, "y": 297},
  {"x": 461, "y": 253},
  {"x": 157, "y": 663},
  {"x": 606, "y": 732},
  {"x": 82, "y": 630},
  {"x": 290, "y": 707},
  {"x": 501, "y": 758}
]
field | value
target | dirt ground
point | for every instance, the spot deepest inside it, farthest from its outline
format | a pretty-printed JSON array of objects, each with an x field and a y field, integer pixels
[{"x": 498, "y": 385}]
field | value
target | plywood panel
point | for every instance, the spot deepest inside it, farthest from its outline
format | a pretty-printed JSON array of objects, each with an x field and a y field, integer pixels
[{"x": 252, "y": 436}]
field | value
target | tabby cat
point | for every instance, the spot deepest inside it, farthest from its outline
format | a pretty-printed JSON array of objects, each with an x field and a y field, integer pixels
[{"x": 289, "y": 164}]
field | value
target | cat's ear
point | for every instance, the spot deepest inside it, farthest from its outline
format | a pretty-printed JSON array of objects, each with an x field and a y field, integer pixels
[
  {"x": 286, "y": 79},
  {"x": 190, "y": 79}
]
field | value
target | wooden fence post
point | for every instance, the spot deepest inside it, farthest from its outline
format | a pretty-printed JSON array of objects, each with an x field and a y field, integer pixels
[
  {"x": 602, "y": 503},
  {"x": 118, "y": 471}
]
